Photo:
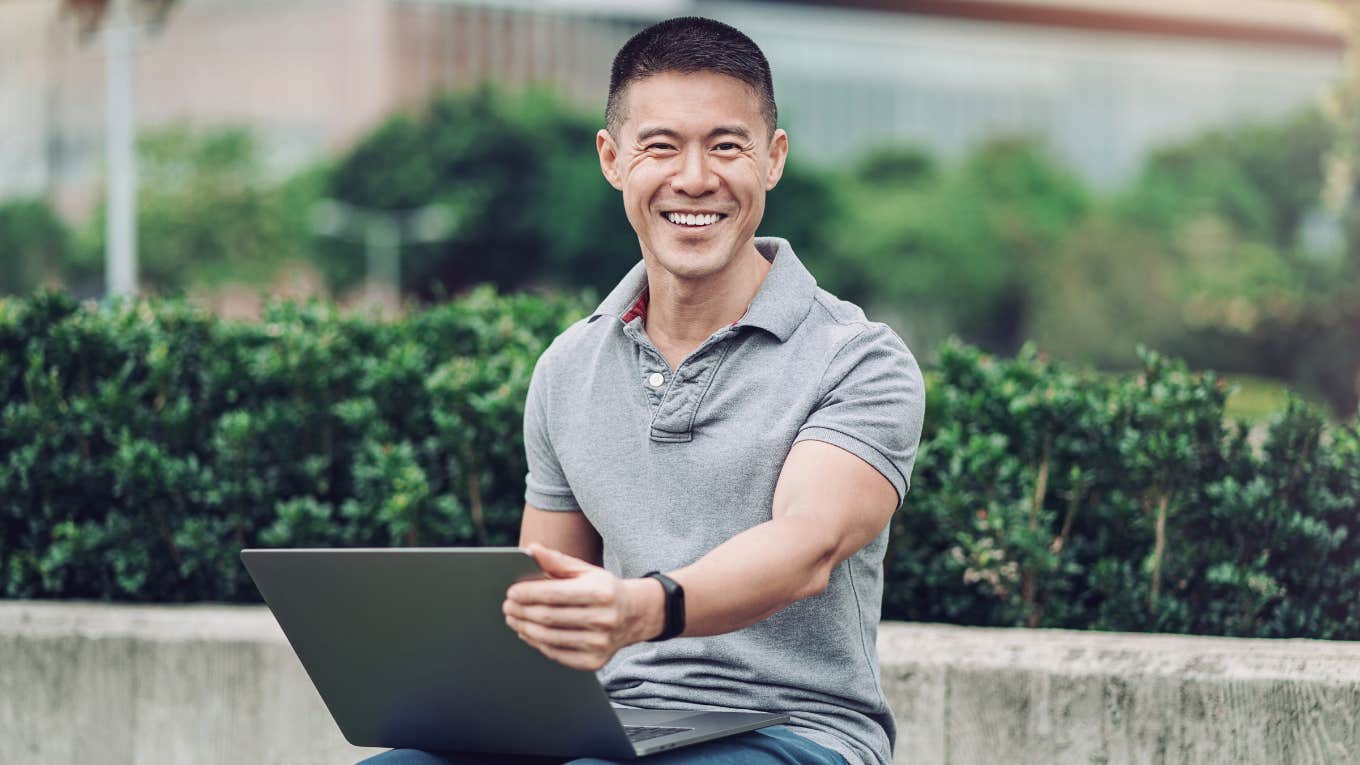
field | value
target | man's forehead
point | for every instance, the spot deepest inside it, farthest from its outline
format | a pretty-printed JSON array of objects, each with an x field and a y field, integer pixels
[{"x": 691, "y": 103}]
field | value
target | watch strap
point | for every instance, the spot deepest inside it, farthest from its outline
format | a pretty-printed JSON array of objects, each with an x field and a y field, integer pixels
[{"x": 675, "y": 606}]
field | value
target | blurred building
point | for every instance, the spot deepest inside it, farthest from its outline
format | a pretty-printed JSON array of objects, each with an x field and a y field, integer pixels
[{"x": 1101, "y": 80}]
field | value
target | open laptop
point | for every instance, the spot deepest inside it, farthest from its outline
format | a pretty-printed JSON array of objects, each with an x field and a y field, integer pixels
[{"x": 409, "y": 649}]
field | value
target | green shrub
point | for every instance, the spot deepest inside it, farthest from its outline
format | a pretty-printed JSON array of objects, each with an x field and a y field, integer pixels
[
  {"x": 1047, "y": 497},
  {"x": 142, "y": 445}
]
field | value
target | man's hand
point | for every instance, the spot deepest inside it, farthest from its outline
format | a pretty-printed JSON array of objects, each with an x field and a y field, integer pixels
[{"x": 582, "y": 615}]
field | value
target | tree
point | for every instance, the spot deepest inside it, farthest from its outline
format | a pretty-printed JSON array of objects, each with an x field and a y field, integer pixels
[
  {"x": 961, "y": 248},
  {"x": 90, "y": 15},
  {"x": 205, "y": 213},
  {"x": 34, "y": 244},
  {"x": 523, "y": 183},
  {"x": 1343, "y": 180}
]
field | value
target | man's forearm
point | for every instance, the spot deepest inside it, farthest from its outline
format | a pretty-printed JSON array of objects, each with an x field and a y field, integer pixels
[
  {"x": 581, "y": 615},
  {"x": 754, "y": 575},
  {"x": 828, "y": 504}
]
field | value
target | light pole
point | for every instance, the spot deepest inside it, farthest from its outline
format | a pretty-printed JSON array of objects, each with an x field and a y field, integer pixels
[
  {"x": 117, "y": 24},
  {"x": 121, "y": 226},
  {"x": 383, "y": 233}
]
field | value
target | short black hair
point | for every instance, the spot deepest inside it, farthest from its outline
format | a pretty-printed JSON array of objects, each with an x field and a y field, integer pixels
[{"x": 686, "y": 45}]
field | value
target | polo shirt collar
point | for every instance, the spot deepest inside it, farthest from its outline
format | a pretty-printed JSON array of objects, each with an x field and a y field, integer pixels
[
  {"x": 780, "y": 305},
  {"x": 785, "y": 297},
  {"x": 624, "y": 294}
]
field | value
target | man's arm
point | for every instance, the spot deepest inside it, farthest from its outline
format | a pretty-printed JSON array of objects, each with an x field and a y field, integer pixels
[
  {"x": 828, "y": 504},
  {"x": 567, "y": 532}
]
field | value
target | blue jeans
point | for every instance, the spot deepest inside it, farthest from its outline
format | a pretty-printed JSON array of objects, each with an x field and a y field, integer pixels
[{"x": 776, "y": 745}]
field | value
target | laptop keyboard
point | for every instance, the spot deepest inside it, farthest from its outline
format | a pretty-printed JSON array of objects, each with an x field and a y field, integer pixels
[{"x": 637, "y": 733}]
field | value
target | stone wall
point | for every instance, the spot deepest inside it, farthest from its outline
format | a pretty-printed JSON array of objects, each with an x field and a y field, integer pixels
[
  {"x": 964, "y": 695},
  {"x": 94, "y": 683}
]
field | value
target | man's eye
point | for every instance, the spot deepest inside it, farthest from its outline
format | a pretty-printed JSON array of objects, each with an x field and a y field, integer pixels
[
  {"x": 659, "y": 146},
  {"x": 727, "y": 146}
]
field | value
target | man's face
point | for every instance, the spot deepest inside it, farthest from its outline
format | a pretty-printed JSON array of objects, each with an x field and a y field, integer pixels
[{"x": 693, "y": 145}]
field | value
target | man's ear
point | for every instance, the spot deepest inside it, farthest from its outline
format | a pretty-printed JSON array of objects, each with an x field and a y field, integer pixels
[
  {"x": 779, "y": 151},
  {"x": 609, "y": 153}
]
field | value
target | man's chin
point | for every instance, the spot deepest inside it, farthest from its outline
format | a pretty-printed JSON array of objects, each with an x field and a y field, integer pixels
[{"x": 692, "y": 262}]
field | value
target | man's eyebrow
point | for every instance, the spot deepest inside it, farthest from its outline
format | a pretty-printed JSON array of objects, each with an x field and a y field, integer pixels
[{"x": 737, "y": 131}]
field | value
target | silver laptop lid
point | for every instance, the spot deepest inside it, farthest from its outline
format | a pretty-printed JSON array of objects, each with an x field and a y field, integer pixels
[{"x": 409, "y": 648}]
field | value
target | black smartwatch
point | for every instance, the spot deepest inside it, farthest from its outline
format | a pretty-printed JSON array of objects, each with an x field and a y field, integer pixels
[{"x": 675, "y": 606}]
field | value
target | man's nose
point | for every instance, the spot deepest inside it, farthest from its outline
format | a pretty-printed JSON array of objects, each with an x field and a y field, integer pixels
[{"x": 694, "y": 177}]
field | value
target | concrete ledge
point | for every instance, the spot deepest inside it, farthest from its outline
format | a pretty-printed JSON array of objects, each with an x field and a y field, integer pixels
[
  {"x": 977, "y": 695},
  {"x": 111, "y": 684},
  {"x": 84, "y": 683}
]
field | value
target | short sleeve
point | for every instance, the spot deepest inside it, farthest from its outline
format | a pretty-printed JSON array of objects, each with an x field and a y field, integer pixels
[
  {"x": 872, "y": 404},
  {"x": 545, "y": 485}
]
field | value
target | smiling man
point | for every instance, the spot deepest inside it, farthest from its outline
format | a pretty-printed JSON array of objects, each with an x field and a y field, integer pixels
[{"x": 716, "y": 452}]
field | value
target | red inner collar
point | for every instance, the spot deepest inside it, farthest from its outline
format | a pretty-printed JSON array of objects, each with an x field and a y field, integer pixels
[{"x": 640, "y": 307}]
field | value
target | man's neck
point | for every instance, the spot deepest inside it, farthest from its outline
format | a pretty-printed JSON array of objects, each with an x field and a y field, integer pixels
[{"x": 682, "y": 313}]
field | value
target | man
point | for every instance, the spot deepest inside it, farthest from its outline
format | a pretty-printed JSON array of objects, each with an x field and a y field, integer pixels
[{"x": 720, "y": 419}]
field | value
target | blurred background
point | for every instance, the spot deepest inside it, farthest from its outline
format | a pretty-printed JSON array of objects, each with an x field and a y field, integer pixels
[{"x": 1083, "y": 175}]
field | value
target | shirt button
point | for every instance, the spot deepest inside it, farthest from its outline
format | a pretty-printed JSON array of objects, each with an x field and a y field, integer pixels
[{"x": 656, "y": 380}]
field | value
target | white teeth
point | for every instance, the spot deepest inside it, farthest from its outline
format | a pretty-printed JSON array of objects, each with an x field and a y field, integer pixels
[{"x": 689, "y": 219}]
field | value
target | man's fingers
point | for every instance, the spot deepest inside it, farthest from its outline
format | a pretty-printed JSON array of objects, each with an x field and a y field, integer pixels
[
  {"x": 565, "y": 617},
  {"x": 573, "y": 659},
  {"x": 562, "y": 639},
  {"x": 572, "y": 592}
]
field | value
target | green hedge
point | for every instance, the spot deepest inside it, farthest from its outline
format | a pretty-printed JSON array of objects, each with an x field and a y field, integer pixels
[
  {"x": 1048, "y": 497},
  {"x": 142, "y": 445}
]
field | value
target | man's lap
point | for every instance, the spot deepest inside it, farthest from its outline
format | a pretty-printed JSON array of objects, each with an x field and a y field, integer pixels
[{"x": 769, "y": 746}]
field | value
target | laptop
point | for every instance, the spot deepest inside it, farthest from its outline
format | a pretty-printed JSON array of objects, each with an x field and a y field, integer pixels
[{"x": 409, "y": 649}]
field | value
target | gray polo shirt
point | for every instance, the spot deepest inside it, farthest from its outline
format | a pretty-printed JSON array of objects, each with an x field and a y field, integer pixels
[{"x": 668, "y": 464}]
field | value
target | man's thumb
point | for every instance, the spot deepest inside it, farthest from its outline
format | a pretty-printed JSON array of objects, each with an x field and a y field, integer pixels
[{"x": 557, "y": 563}]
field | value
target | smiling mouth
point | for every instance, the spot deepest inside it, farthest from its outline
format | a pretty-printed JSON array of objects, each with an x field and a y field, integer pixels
[{"x": 693, "y": 220}]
